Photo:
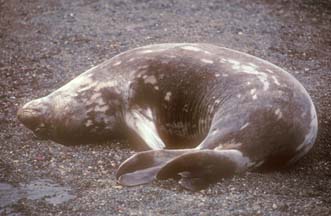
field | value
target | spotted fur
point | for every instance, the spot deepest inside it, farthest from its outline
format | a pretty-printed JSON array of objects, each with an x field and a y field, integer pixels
[{"x": 205, "y": 112}]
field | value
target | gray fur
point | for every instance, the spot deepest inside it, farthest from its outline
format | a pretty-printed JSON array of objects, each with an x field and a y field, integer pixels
[{"x": 224, "y": 107}]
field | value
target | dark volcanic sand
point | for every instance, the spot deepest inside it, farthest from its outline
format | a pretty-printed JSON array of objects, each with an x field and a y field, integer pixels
[{"x": 43, "y": 44}]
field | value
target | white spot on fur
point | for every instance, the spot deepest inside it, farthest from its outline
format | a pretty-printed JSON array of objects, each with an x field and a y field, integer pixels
[
  {"x": 86, "y": 87},
  {"x": 234, "y": 62},
  {"x": 236, "y": 156},
  {"x": 253, "y": 93},
  {"x": 106, "y": 84},
  {"x": 150, "y": 79},
  {"x": 223, "y": 60},
  {"x": 279, "y": 114},
  {"x": 195, "y": 49},
  {"x": 168, "y": 96},
  {"x": 191, "y": 48},
  {"x": 214, "y": 132},
  {"x": 258, "y": 59},
  {"x": 146, "y": 51},
  {"x": 117, "y": 63},
  {"x": 156, "y": 87},
  {"x": 217, "y": 75},
  {"x": 95, "y": 96},
  {"x": 160, "y": 49},
  {"x": 254, "y": 97},
  {"x": 103, "y": 108},
  {"x": 245, "y": 125},
  {"x": 207, "y": 61},
  {"x": 100, "y": 101},
  {"x": 249, "y": 69},
  {"x": 275, "y": 80},
  {"x": 88, "y": 123},
  {"x": 131, "y": 59},
  {"x": 238, "y": 95},
  {"x": 219, "y": 147},
  {"x": 252, "y": 64}
]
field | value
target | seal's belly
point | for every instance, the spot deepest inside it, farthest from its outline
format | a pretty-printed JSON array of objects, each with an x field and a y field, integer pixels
[{"x": 183, "y": 97}]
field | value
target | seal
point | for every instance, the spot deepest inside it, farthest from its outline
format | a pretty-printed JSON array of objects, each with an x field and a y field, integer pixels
[{"x": 200, "y": 112}]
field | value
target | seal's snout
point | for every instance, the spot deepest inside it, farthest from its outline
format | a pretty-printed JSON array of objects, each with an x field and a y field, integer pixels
[
  {"x": 29, "y": 117},
  {"x": 32, "y": 115}
]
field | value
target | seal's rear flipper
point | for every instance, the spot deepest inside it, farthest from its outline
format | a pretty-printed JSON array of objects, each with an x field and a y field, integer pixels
[
  {"x": 200, "y": 168},
  {"x": 138, "y": 177},
  {"x": 142, "y": 167},
  {"x": 195, "y": 168}
]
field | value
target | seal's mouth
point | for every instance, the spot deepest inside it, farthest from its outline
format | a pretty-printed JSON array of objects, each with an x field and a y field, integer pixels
[{"x": 42, "y": 133}]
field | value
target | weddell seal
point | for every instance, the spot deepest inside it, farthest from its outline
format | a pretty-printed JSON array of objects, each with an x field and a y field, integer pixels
[{"x": 200, "y": 111}]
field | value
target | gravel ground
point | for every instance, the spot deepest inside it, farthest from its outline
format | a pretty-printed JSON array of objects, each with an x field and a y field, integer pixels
[{"x": 43, "y": 44}]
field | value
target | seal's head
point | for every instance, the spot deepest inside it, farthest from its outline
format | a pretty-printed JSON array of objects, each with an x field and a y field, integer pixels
[{"x": 82, "y": 111}]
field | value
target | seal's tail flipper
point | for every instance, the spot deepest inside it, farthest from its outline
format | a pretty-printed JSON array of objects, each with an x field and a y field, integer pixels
[
  {"x": 200, "y": 168},
  {"x": 195, "y": 168},
  {"x": 142, "y": 167}
]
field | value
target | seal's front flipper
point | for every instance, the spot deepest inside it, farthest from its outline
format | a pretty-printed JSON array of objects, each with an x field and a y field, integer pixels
[
  {"x": 200, "y": 168},
  {"x": 142, "y": 167},
  {"x": 141, "y": 122}
]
